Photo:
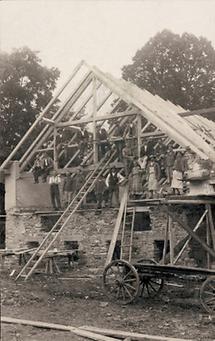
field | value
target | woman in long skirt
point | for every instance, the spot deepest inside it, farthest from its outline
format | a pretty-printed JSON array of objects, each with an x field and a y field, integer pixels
[
  {"x": 177, "y": 174},
  {"x": 136, "y": 186},
  {"x": 153, "y": 175}
]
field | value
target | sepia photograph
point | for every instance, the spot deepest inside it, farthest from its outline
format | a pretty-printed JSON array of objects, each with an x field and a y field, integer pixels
[{"x": 107, "y": 170}]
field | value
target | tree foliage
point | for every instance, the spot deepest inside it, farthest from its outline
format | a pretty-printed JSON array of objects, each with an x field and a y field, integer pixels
[
  {"x": 26, "y": 86},
  {"x": 178, "y": 68}
]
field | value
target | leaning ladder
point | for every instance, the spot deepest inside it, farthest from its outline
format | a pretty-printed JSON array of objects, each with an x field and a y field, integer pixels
[
  {"x": 127, "y": 228},
  {"x": 64, "y": 218}
]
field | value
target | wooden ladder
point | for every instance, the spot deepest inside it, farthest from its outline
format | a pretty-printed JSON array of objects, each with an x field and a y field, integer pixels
[
  {"x": 127, "y": 233},
  {"x": 58, "y": 227}
]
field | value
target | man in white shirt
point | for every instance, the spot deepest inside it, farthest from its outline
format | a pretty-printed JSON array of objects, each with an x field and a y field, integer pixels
[
  {"x": 54, "y": 181},
  {"x": 112, "y": 182}
]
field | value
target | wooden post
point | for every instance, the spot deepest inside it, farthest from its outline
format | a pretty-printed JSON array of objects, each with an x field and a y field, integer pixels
[
  {"x": 123, "y": 204},
  {"x": 165, "y": 241},
  {"x": 132, "y": 234},
  {"x": 95, "y": 145},
  {"x": 171, "y": 241},
  {"x": 211, "y": 224},
  {"x": 55, "y": 156},
  {"x": 139, "y": 128},
  {"x": 208, "y": 239}
]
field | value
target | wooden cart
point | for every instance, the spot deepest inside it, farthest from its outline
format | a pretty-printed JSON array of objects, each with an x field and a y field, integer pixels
[
  {"x": 124, "y": 282},
  {"x": 125, "y": 279}
]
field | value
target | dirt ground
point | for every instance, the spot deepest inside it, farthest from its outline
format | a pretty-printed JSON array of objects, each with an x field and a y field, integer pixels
[{"x": 78, "y": 302}]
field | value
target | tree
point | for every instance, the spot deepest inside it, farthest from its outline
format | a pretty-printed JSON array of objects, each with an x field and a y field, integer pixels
[
  {"x": 178, "y": 68},
  {"x": 26, "y": 86}
]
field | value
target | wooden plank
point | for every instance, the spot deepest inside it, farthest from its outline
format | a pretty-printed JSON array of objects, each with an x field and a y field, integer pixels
[
  {"x": 131, "y": 235},
  {"x": 208, "y": 240},
  {"x": 55, "y": 150},
  {"x": 134, "y": 336},
  {"x": 165, "y": 242},
  {"x": 95, "y": 144},
  {"x": 39, "y": 324},
  {"x": 21, "y": 252},
  {"x": 171, "y": 242},
  {"x": 80, "y": 332},
  {"x": 97, "y": 119},
  {"x": 211, "y": 222},
  {"x": 123, "y": 232},
  {"x": 117, "y": 226},
  {"x": 210, "y": 111}
]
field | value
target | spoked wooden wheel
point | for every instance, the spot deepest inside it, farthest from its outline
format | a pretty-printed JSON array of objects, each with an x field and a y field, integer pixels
[
  {"x": 121, "y": 282},
  {"x": 207, "y": 295},
  {"x": 150, "y": 286}
]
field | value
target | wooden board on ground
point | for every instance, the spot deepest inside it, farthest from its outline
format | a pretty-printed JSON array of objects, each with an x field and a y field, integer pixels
[
  {"x": 134, "y": 336},
  {"x": 80, "y": 332}
]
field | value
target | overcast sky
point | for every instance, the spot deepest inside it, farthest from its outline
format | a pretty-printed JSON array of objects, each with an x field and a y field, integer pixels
[{"x": 105, "y": 33}]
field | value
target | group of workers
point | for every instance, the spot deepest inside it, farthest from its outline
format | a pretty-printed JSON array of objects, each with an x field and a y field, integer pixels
[
  {"x": 76, "y": 150},
  {"x": 149, "y": 170},
  {"x": 144, "y": 174}
]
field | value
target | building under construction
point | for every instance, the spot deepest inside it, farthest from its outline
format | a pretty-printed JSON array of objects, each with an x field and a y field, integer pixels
[{"x": 167, "y": 228}]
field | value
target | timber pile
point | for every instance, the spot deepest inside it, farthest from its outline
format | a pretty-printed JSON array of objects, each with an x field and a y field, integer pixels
[{"x": 92, "y": 333}]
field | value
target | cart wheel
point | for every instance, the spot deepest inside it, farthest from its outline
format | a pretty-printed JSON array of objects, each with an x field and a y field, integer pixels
[
  {"x": 121, "y": 282},
  {"x": 207, "y": 294},
  {"x": 151, "y": 286}
]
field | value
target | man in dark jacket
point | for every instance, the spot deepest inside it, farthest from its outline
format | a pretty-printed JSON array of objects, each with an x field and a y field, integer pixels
[
  {"x": 100, "y": 187},
  {"x": 170, "y": 159},
  {"x": 68, "y": 188},
  {"x": 127, "y": 159},
  {"x": 118, "y": 140},
  {"x": 82, "y": 140},
  {"x": 46, "y": 166},
  {"x": 103, "y": 144}
]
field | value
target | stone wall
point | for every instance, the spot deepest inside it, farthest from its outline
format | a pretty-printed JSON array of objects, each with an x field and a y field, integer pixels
[{"x": 91, "y": 231}]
